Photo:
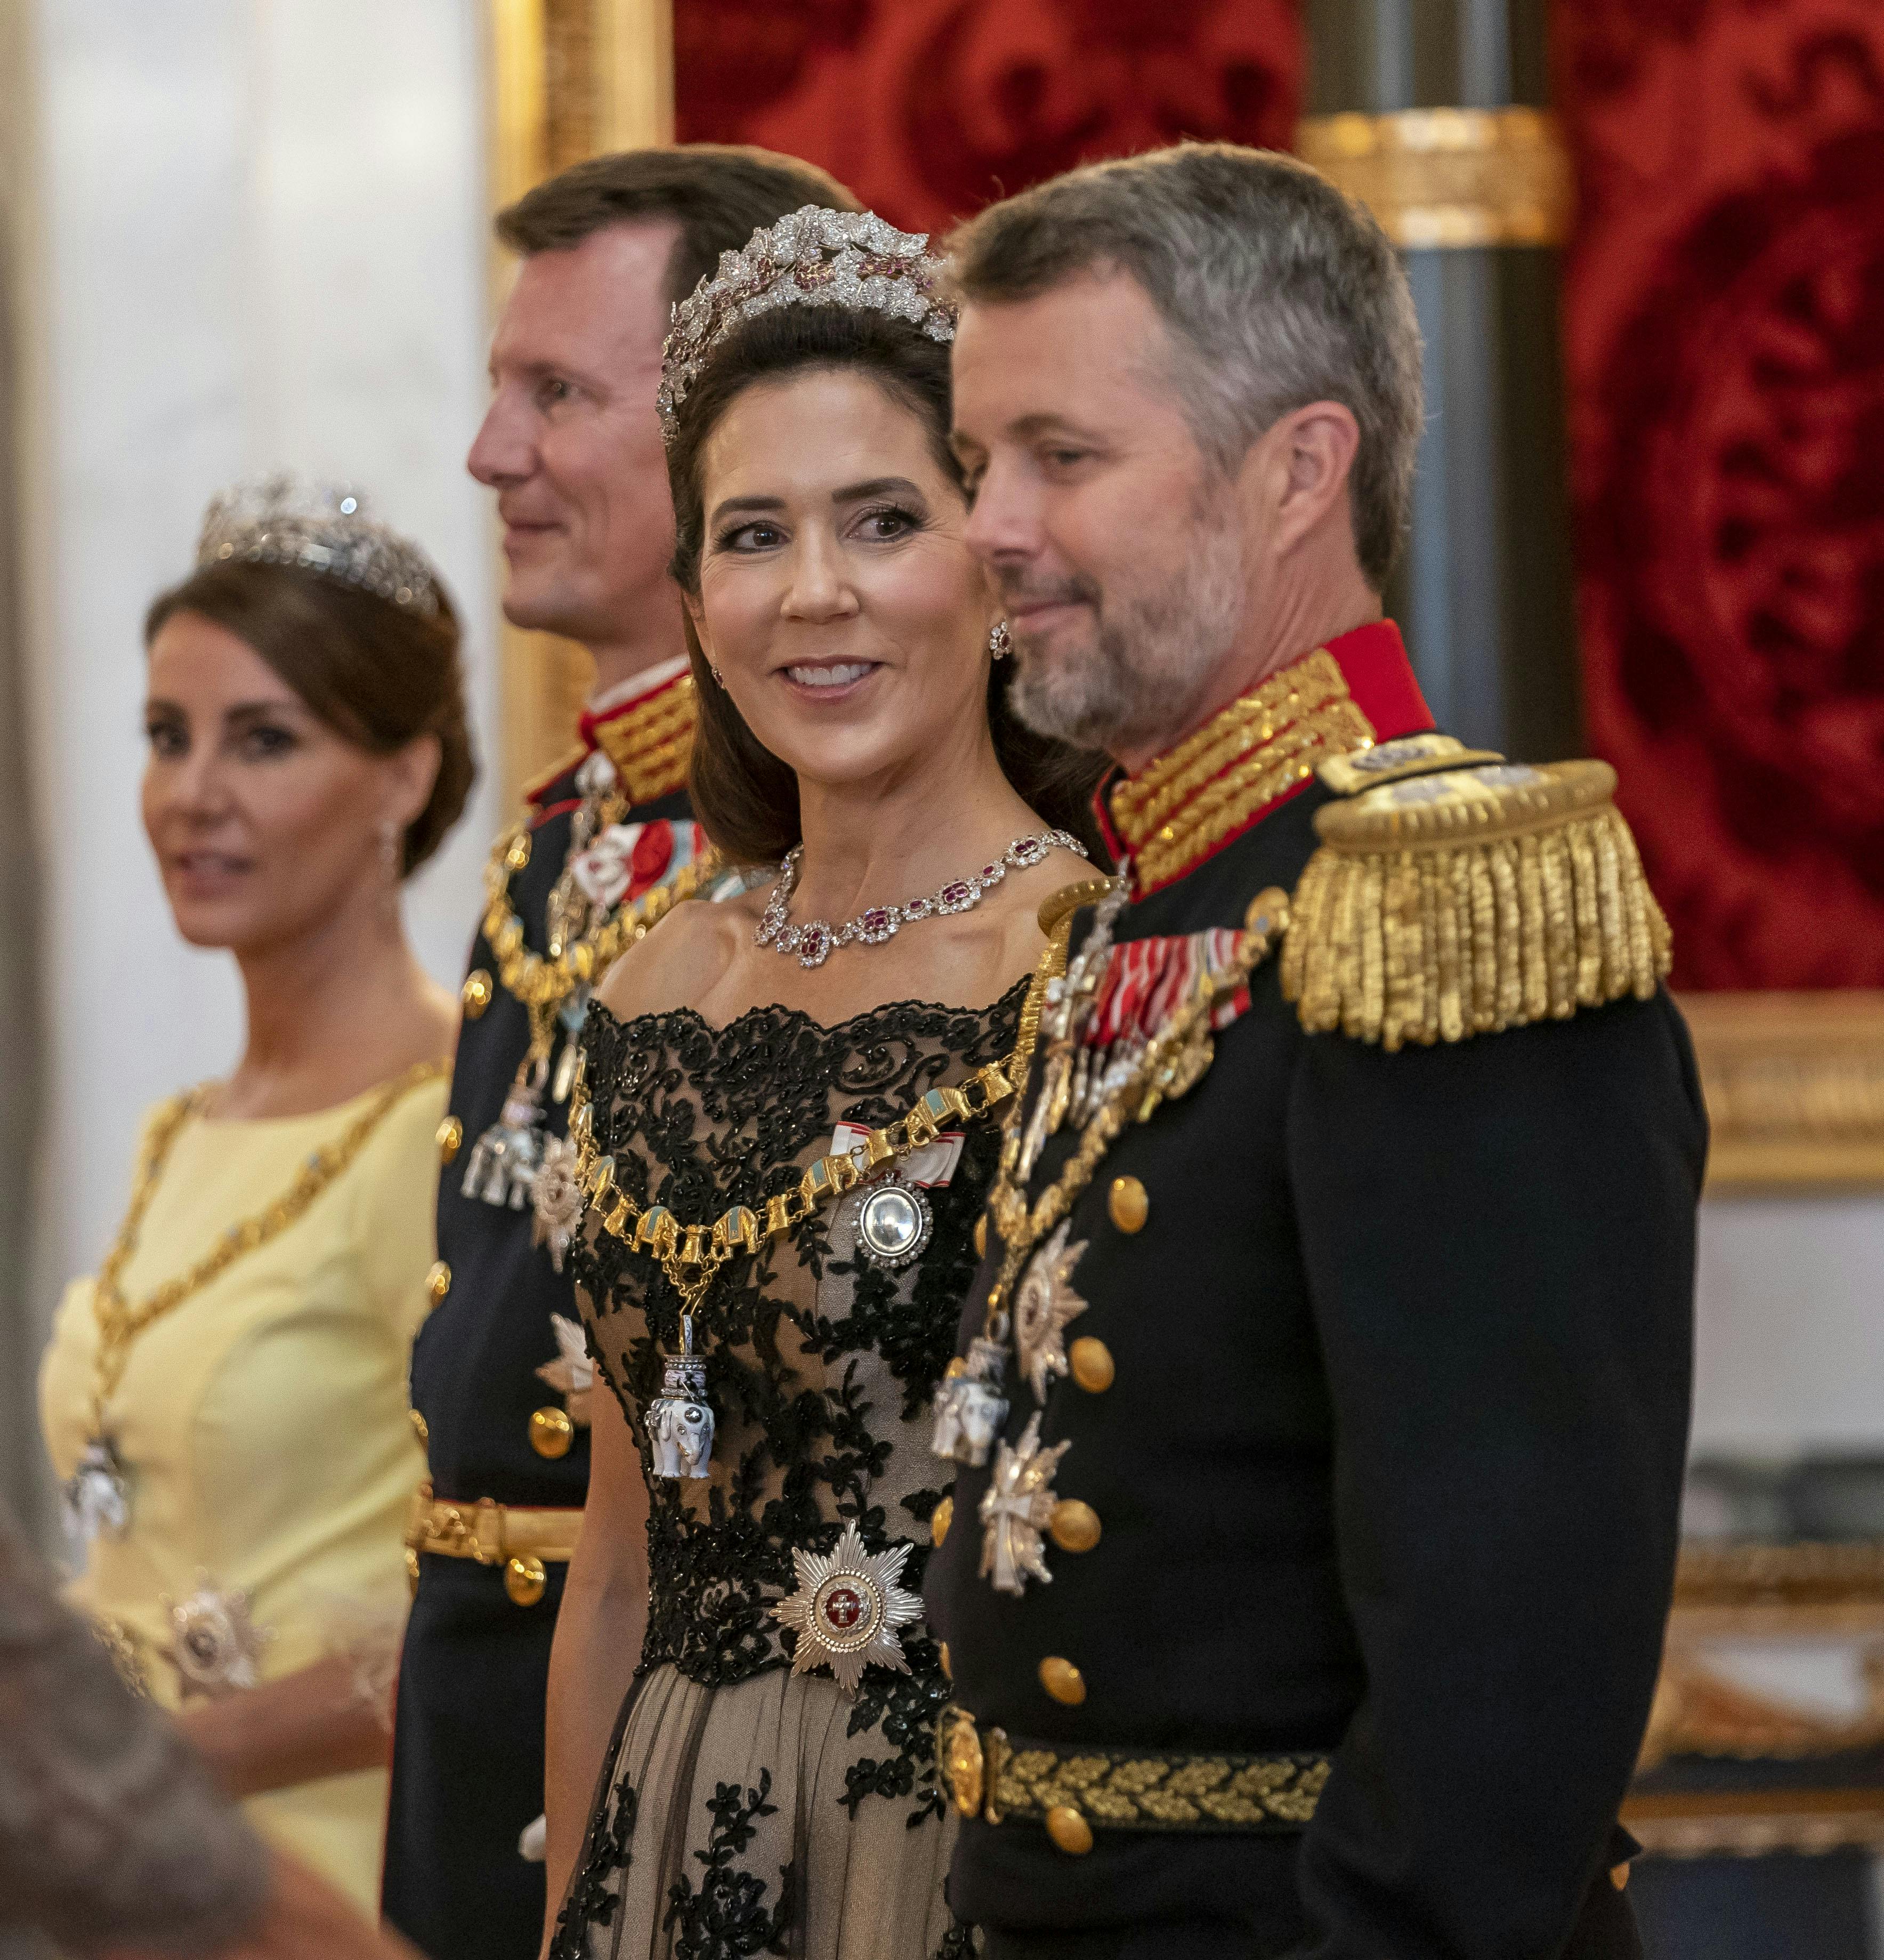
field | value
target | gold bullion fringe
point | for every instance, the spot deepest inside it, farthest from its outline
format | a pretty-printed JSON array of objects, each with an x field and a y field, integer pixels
[{"x": 1436, "y": 943}]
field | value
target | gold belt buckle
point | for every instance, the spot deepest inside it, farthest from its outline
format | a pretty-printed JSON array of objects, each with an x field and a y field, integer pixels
[
  {"x": 487, "y": 1533},
  {"x": 972, "y": 1763},
  {"x": 960, "y": 1754}
]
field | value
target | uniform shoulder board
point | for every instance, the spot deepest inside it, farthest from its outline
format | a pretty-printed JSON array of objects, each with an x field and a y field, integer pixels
[{"x": 1450, "y": 900}]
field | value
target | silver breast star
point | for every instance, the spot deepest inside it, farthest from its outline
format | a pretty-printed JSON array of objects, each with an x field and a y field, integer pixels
[
  {"x": 847, "y": 1610},
  {"x": 1016, "y": 1508},
  {"x": 1044, "y": 1304}
]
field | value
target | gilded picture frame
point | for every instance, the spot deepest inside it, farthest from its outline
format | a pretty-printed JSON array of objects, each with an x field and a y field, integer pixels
[{"x": 1794, "y": 1085}]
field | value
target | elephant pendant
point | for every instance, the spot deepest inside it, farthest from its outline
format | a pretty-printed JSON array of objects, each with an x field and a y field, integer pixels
[
  {"x": 680, "y": 1423},
  {"x": 505, "y": 1160},
  {"x": 969, "y": 1406}
]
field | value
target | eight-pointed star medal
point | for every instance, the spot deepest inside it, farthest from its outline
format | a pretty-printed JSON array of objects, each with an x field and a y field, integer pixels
[
  {"x": 1017, "y": 1507},
  {"x": 1043, "y": 1305},
  {"x": 847, "y": 1609}
]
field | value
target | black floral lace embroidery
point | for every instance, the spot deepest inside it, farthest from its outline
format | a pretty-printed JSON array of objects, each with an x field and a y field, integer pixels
[
  {"x": 592, "y": 1899},
  {"x": 696, "y": 1119},
  {"x": 725, "y": 1918}
]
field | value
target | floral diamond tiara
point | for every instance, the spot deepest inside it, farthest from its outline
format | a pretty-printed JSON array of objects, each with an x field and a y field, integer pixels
[
  {"x": 318, "y": 527},
  {"x": 815, "y": 257}
]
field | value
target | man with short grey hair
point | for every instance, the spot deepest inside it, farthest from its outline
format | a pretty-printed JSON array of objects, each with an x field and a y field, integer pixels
[{"x": 1334, "y": 1333}]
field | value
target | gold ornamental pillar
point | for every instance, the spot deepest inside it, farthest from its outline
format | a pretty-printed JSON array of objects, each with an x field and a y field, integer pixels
[
  {"x": 568, "y": 79},
  {"x": 1434, "y": 113}
]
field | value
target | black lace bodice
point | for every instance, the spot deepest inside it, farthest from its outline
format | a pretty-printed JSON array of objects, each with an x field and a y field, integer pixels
[{"x": 820, "y": 1363}]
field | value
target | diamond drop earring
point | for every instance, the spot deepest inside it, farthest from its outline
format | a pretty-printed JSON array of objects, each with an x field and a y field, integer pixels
[
  {"x": 1000, "y": 640},
  {"x": 390, "y": 855}
]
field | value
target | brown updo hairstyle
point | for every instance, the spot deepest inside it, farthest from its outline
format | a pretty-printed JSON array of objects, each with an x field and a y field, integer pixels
[
  {"x": 378, "y": 675},
  {"x": 745, "y": 797}
]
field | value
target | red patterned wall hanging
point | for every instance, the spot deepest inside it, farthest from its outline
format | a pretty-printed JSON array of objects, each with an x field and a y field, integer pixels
[
  {"x": 928, "y": 108},
  {"x": 1724, "y": 301}
]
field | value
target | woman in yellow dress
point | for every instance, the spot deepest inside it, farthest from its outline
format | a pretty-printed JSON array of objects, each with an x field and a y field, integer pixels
[{"x": 224, "y": 1400}]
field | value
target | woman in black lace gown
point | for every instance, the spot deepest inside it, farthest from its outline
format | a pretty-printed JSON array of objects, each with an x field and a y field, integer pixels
[{"x": 771, "y": 1320}]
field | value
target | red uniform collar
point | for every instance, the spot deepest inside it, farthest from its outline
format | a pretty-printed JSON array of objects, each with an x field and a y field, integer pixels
[
  {"x": 1203, "y": 793},
  {"x": 648, "y": 737}
]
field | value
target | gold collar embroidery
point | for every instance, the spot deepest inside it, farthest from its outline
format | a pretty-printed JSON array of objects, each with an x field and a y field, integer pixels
[
  {"x": 649, "y": 741},
  {"x": 1215, "y": 783}
]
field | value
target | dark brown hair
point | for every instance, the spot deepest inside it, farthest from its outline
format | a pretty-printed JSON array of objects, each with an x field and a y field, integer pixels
[
  {"x": 379, "y": 675},
  {"x": 743, "y": 795},
  {"x": 718, "y": 194}
]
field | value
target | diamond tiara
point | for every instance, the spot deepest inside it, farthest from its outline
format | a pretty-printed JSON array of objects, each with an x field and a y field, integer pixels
[
  {"x": 815, "y": 257},
  {"x": 321, "y": 527}
]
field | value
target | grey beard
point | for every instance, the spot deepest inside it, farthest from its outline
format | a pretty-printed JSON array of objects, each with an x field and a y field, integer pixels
[{"x": 1140, "y": 684}]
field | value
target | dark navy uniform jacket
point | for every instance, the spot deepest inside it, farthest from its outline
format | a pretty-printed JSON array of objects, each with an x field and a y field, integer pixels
[
  {"x": 468, "y": 1750},
  {"x": 1389, "y": 1469}
]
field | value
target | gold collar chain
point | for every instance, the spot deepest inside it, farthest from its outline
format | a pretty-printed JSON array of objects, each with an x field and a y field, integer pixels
[
  {"x": 119, "y": 1322},
  {"x": 1172, "y": 1063},
  {"x": 544, "y": 982},
  {"x": 691, "y": 1255}
]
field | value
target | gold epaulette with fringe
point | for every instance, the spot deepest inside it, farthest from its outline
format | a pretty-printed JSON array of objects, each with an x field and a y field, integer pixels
[{"x": 1470, "y": 900}]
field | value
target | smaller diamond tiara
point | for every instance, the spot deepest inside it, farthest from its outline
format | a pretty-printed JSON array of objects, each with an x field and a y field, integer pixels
[
  {"x": 815, "y": 257},
  {"x": 322, "y": 527}
]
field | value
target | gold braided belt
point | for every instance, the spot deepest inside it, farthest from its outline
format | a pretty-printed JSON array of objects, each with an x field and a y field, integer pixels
[
  {"x": 517, "y": 1537},
  {"x": 995, "y": 1776}
]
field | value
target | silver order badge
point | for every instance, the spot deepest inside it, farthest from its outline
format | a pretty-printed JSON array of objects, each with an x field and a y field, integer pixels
[{"x": 893, "y": 1224}]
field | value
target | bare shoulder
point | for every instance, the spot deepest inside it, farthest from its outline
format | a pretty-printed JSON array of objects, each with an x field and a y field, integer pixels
[
  {"x": 1027, "y": 891},
  {"x": 685, "y": 951}
]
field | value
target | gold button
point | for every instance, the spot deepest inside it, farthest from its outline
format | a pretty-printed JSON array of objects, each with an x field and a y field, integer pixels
[
  {"x": 1075, "y": 1525},
  {"x": 1069, "y": 1830},
  {"x": 1092, "y": 1364},
  {"x": 981, "y": 1237},
  {"x": 419, "y": 1430},
  {"x": 524, "y": 1580},
  {"x": 448, "y": 1136},
  {"x": 438, "y": 1280},
  {"x": 476, "y": 993},
  {"x": 940, "y": 1518},
  {"x": 1128, "y": 1205},
  {"x": 551, "y": 1432},
  {"x": 1062, "y": 1681},
  {"x": 941, "y": 1649}
]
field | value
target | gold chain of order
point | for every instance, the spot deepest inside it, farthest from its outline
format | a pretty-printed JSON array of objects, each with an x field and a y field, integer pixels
[
  {"x": 1172, "y": 1063},
  {"x": 544, "y": 982},
  {"x": 119, "y": 1322},
  {"x": 691, "y": 1255}
]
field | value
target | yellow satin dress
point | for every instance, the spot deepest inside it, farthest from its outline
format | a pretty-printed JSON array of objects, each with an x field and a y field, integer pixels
[{"x": 263, "y": 1422}]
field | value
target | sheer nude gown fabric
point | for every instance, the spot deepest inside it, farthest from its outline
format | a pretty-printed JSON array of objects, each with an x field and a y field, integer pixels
[{"x": 744, "y": 1809}]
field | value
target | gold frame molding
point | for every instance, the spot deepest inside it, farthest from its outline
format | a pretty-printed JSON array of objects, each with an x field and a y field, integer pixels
[
  {"x": 1739, "y": 1592},
  {"x": 1794, "y": 1085},
  {"x": 1447, "y": 179},
  {"x": 568, "y": 79}
]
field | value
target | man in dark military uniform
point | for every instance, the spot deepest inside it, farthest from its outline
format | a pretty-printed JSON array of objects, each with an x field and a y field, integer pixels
[
  {"x": 1332, "y": 1348},
  {"x": 572, "y": 446}
]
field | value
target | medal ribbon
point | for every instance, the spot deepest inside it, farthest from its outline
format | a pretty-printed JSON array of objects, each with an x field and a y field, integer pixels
[{"x": 1147, "y": 981}]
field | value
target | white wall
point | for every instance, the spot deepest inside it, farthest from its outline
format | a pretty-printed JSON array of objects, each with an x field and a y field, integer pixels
[
  {"x": 1790, "y": 1343},
  {"x": 261, "y": 242}
]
